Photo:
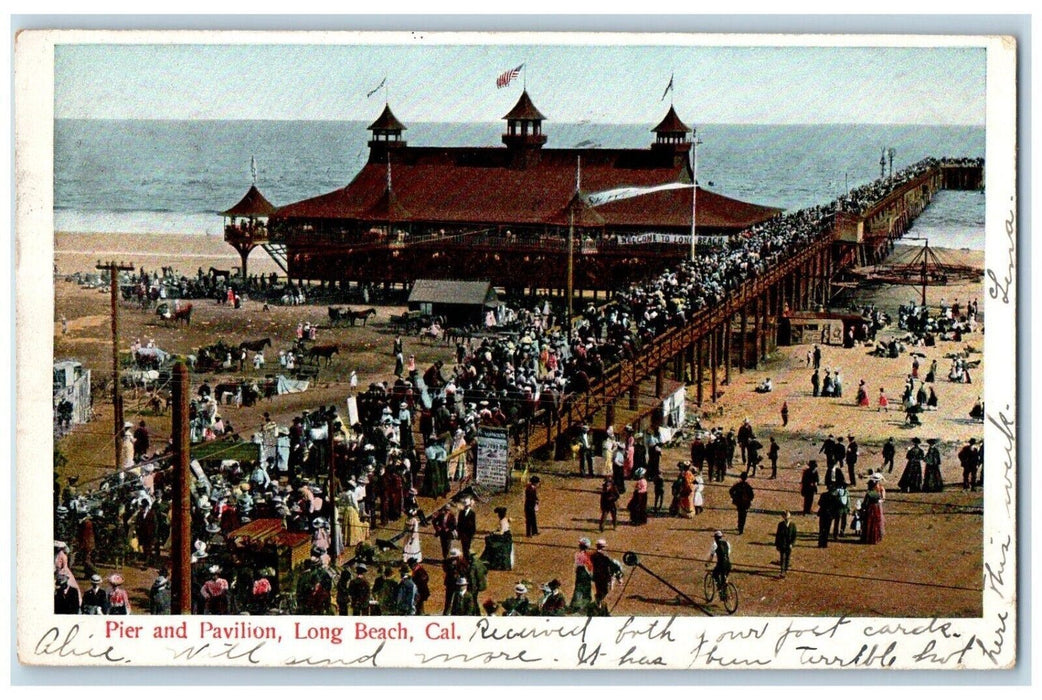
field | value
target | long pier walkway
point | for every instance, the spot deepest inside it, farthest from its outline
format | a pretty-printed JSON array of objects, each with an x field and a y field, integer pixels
[{"x": 742, "y": 330}]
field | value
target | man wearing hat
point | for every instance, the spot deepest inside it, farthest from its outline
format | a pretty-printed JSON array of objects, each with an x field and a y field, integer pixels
[
  {"x": 585, "y": 451},
  {"x": 422, "y": 579},
  {"x": 405, "y": 595},
  {"x": 968, "y": 461},
  {"x": 721, "y": 552},
  {"x": 159, "y": 595},
  {"x": 605, "y": 570},
  {"x": 463, "y": 601},
  {"x": 851, "y": 458},
  {"x": 455, "y": 568},
  {"x": 784, "y": 541},
  {"x": 66, "y": 598},
  {"x": 554, "y": 603},
  {"x": 519, "y": 605},
  {"x": 532, "y": 507},
  {"x": 95, "y": 600},
  {"x": 352, "y": 594},
  {"x": 742, "y": 498},
  {"x": 467, "y": 525},
  {"x": 889, "y": 452}
]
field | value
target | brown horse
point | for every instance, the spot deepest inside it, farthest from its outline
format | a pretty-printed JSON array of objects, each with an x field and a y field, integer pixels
[
  {"x": 363, "y": 316},
  {"x": 183, "y": 315},
  {"x": 326, "y": 351},
  {"x": 255, "y": 345}
]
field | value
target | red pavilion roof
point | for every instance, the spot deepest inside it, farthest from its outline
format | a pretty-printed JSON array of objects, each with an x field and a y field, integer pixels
[
  {"x": 671, "y": 124},
  {"x": 478, "y": 186},
  {"x": 524, "y": 109},
  {"x": 252, "y": 204}
]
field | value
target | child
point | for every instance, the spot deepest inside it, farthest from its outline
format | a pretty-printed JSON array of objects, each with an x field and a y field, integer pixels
[
  {"x": 855, "y": 520},
  {"x": 660, "y": 491}
]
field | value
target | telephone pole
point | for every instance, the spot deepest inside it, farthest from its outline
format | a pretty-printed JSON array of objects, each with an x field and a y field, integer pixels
[
  {"x": 114, "y": 269},
  {"x": 181, "y": 532}
]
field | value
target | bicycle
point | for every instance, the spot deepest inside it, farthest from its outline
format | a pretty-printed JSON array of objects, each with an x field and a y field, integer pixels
[{"x": 728, "y": 592}]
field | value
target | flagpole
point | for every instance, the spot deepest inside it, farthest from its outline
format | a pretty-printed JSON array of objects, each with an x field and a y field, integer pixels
[
  {"x": 694, "y": 188},
  {"x": 571, "y": 240}
]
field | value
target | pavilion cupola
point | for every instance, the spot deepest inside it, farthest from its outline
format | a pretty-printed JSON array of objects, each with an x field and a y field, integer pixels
[
  {"x": 524, "y": 136},
  {"x": 387, "y": 136}
]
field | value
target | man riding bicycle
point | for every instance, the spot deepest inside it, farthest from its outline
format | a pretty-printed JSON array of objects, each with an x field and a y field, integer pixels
[{"x": 721, "y": 551}]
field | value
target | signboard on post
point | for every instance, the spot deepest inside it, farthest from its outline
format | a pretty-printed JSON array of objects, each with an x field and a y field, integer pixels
[{"x": 492, "y": 469}]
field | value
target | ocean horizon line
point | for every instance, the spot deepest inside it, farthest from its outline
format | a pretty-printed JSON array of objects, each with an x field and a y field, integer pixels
[{"x": 497, "y": 121}]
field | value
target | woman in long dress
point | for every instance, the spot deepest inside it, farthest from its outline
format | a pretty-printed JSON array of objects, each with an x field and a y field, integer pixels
[
  {"x": 499, "y": 545},
  {"x": 638, "y": 505},
  {"x": 582, "y": 596},
  {"x": 355, "y": 529},
  {"x": 700, "y": 486},
  {"x": 687, "y": 489},
  {"x": 933, "y": 482},
  {"x": 411, "y": 549},
  {"x": 872, "y": 529},
  {"x": 912, "y": 478}
]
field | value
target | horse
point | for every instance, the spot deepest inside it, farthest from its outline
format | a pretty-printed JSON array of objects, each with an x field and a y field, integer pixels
[
  {"x": 336, "y": 315},
  {"x": 363, "y": 316},
  {"x": 214, "y": 272},
  {"x": 226, "y": 389},
  {"x": 326, "y": 351},
  {"x": 255, "y": 345},
  {"x": 183, "y": 315}
]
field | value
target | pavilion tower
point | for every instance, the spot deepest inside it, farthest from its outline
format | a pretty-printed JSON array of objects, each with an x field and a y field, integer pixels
[
  {"x": 387, "y": 136},
  {"x": 524, "y": 136},
  {"x": 671, "y": 137}
]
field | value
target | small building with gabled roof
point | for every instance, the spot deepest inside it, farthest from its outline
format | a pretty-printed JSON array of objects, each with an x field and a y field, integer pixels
[{"x": 461, "y": 302}]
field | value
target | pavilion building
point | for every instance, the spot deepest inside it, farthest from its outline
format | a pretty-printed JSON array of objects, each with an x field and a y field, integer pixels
[{"x": 504, "y": 213}]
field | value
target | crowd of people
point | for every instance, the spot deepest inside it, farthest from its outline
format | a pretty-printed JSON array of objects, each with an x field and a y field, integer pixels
[{"x": 333, "y": 482}]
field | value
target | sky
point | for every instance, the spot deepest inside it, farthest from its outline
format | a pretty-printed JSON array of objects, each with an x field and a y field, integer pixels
[{"x": 569, "y": 83}]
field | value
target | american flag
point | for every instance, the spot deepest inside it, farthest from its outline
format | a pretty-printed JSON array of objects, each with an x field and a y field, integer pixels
[{"x": 507, "y": 76}]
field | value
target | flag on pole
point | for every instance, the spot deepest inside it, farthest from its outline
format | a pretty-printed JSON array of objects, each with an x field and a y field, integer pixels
[
  {"x": 669, "y": 88},
  {"x": 253, "y": 168},
  {"x": 376, "y": 89},
  {"x": 506, "y": 77}
]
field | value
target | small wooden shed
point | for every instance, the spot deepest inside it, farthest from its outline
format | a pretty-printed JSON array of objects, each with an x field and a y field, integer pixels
[{"x": 461, "y": 302}]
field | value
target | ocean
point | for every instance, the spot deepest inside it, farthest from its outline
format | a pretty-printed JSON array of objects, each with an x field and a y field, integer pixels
[{"x": 140, "y": 176}]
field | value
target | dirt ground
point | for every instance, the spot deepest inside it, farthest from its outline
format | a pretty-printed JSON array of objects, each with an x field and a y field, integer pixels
[{"x": 929, "y": 563}]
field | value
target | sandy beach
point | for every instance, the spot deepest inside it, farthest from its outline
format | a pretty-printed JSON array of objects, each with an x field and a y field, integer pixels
[{"x": 929, "y": 563}]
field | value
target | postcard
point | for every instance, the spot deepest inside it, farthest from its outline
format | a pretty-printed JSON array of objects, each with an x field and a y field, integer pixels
[{"x": 516, "y": 351}]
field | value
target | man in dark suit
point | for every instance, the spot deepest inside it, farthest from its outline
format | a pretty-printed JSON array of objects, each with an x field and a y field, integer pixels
[
  {"x": 742, "y": 498},
  {"x": 66, "y": 598},
  {"x": 466, "y": 526},
  {"x": 95, "y": 599},
  {"x": 784, "y": 540},
  {"x": 532, "y": 507}
]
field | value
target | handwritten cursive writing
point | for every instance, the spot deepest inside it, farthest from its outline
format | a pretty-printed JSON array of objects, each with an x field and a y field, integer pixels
[
  {"x": 1000, "y": 289},
  {"x": 228, "y": 650},
  {"x": 363, "y": 660},
  {"x": 714, "y": 656},
  {"x": 486, "y": 657},
  {"x": 995, "y": 576},
  {"x": 483, "y": 629},
  {"x": 993, "y": 650},
  {"x": 1005, "y": 426},
  {"x": 52, "y": 643},
  {"x": 815, "y": 631}
]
